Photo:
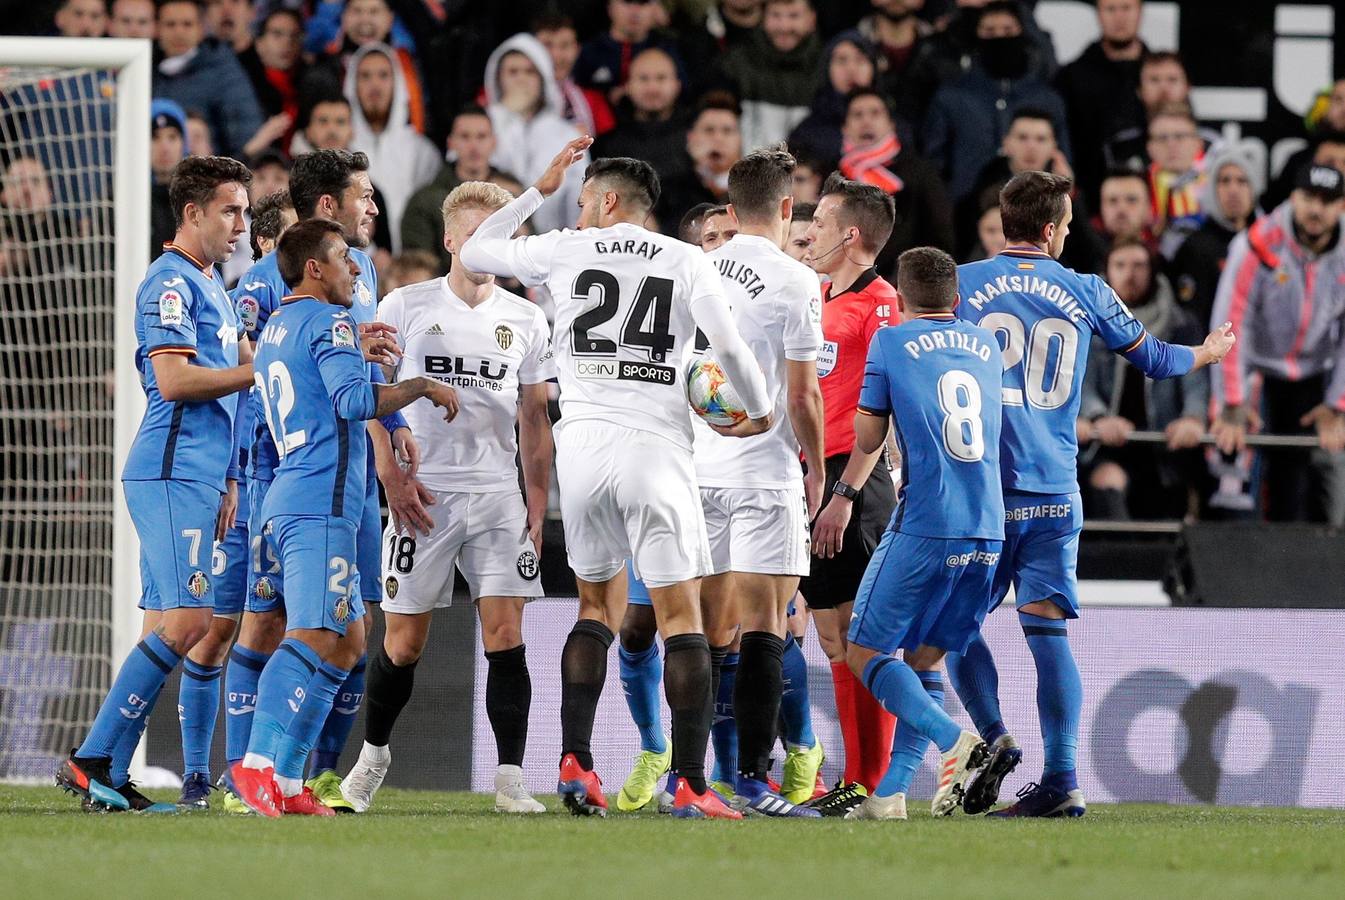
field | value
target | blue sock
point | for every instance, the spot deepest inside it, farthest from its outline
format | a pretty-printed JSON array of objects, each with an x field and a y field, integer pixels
[
  {"x": 240, "y": 695},
  {"x": 1059, "y": 695},
  {"x": 641, "y": 676},
  {"x": 336, "y": 730},
  {"x": 898, "y": 689},
  {"x": 908, "y": 745},
  {"x": 128, "y": 702},
  {"x": 281, "y": 694},
  {"x": 976, "y": 681},
  {"x": 299, "y": 738},
  {"x": 120, "y": 771},
  {"x": 796, "y": 712},
  {"x": 197, "y": 708},
  {"x": 724, "y": 731}
]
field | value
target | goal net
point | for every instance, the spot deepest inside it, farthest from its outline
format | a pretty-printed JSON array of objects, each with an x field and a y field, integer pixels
[{"x": 74, "y": 132}]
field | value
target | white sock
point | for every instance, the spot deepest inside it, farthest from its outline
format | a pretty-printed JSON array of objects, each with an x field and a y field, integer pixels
[
  {"x": 258, "y": 762},
  {"x": 289, "y": 787}
]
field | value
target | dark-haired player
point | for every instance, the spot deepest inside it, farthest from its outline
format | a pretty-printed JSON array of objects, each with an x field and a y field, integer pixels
[
  {"x": 314, "y": 386},
  {"x": 332, "y": 185},
  {"x": 1044, "y": 316},
  {"x": 850, "y": 226},
  {"x": 180, "y": 477},
  {"x": 628, "y": 302},
  {"x": 925, "y": 590}
]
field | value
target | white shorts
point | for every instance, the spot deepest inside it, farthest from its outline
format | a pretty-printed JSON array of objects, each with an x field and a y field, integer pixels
[
  {"x": 485, "y": 536},
  {"x": 760, "y": 530},
  {"x": 629, "y": 493}
]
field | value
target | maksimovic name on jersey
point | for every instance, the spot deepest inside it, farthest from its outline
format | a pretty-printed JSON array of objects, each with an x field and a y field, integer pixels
[{"x": 1028, "y": 284}]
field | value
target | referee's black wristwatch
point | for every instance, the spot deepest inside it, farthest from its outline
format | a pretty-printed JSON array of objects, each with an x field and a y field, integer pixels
[{"x": 844, "y": 490}]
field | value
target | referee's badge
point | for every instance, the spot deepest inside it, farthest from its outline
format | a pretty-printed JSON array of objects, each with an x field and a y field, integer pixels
[{"x": 504, "y": 336}]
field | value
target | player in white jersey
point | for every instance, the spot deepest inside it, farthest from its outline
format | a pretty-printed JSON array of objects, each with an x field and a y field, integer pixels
[
  {"x": 753, "y": 491},
  {"x": 494, "y": 348},
  {"x": 628, "y": 302}
]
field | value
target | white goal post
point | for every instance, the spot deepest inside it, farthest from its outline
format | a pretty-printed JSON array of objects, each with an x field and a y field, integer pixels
[{"x": 59, "y": 97}]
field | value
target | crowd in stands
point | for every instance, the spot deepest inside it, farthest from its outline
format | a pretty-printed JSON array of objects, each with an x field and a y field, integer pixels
[{"x": 938, "y": 102}]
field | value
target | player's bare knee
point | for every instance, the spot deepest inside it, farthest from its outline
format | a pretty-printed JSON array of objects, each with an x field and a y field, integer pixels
[
  {"x": 349, "y": 646},
  {"x": 1046, "y": 609},
  {"x": 405, "y": 638},
  {"x": 638, "y": 628},
  {"x": 501, "y": 623},
  {"x": 857, "y": 657},
  {"x": 213, "y": 648},
  {"x": 924, "y": 658}
]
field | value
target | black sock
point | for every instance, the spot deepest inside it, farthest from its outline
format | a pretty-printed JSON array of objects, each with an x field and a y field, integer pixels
[
  {"x": 386, "y": 694},
  {"x": 583, "y": 669},
  {"x": 756, "y": 701},
  {"x": 508, "y": 699},
  {"x": 686, "y": 683}
]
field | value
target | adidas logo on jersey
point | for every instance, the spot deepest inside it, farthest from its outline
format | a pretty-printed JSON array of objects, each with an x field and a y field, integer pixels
[{"x": 435, "y": 331}]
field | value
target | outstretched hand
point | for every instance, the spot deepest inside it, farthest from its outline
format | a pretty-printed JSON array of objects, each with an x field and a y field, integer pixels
[
  {"x": 554, "y": 176},
  {"x": 1218, "y": 343}
]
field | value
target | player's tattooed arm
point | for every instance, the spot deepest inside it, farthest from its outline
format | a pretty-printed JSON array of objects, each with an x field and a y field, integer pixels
[{"x": 393, "y": 397}]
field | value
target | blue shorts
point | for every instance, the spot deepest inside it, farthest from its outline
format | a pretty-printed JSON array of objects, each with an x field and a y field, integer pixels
[
  {"x": 369, "y": 547},
  {"x": 1041, "y": 550},
  {"x": 229, "y": 566},
  {"x": 266, "y": 587},
  {"x": 920, "y": 591},
  {"x": 175, "y": 521},
  {"x": 636, "y": 592},
  {"x": 317, "y": 554}
]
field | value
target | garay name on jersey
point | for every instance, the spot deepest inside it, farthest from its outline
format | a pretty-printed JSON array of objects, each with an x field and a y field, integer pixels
[
  {"x": 646, "y": 249},
  {"x": 458, "y": 371},
  {"x": 947, "y": 340},
  {"x": 732, "y": 270},
  {"x": 1029, "y": 284}
]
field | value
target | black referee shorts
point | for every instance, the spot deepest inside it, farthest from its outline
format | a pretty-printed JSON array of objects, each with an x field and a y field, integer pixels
[{"x": 834, "y": 581}]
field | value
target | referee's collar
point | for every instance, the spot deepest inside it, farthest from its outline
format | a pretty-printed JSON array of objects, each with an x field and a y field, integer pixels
[{"x": 869, "y": 276}]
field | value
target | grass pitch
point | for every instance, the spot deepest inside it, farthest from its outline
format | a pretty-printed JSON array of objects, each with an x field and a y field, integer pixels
[{"x": 422, "y": 844}]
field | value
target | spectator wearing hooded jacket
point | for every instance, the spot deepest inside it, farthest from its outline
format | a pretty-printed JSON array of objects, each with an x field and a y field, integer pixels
[
  {"x": 848, "y": 63},
  {"x": 203, "y": 74},
  {"x": 1280, "y": 289},
  {"x": 168, "y": 145},
  {"x": 401, "y": 160},
  {"x": 968, "y": 118},
  {"x": 775, "y": 73},
  {"x": 1140, "y": 480},
  {"x": 1231, "y": 189},
  {"x": 524, "y": 104}
]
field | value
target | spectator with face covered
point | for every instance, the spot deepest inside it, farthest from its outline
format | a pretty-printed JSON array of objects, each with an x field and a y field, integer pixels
[
  {"x": 714, "y": 142},
  {"x": 1143, "y": 481},
  {"x": 1281, "y": 290},
  {"x": 969, "y": 117},
  {"x": 848, "y": 63},
  {"x": 1231, "y": 187},
  {"x": 525, "y": 106},
  {"x": 649, "y": 125},
  {"x": 776, "y": 73},
  {"x": 401, "y": 160},
  {"x": 873, "y": 154}
]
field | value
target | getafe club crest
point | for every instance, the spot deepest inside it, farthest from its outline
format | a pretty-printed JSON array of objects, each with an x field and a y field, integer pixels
[
  {"x": 265, "y": 589},
  {"x": 504, "y": 336},
  {"x": 362, "y": 293},
  {"x": 341, "y": 611},
  {"x": 198, "y": 585}
]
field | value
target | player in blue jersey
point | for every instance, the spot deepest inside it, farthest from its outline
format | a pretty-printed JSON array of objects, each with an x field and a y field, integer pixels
[
  {"x": 199, "y": 692},
  {"x": 1044, "y": 316},
  {"x": 926, "y": 589},
  {"x": 332, "y": 185},
  {"x": 180, "y": 475},
  {"x": 316, "y": 393}
]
